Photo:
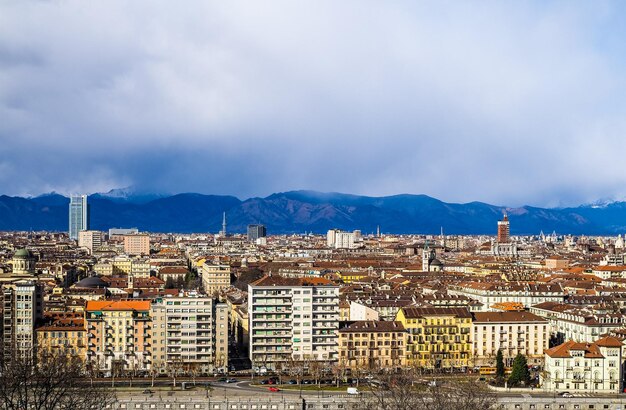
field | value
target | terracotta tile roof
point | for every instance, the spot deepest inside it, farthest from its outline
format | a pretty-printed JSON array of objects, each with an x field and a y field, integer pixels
[
  {"x": 506, "y": 317},
  {"x": 99, "y": 305},
  {"x": 413, "y": 313}
]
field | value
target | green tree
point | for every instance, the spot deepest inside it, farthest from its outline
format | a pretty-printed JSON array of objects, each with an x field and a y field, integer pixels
[
  {"x": 499, "y": 366},
  {"x": 519, "y": 371}
]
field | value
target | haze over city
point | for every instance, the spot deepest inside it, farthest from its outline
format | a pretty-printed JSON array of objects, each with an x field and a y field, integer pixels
[{"x": 509, "y": 103}]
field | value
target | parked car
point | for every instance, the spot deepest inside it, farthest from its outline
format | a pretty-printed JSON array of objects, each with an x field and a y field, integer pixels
[
  {"x": 567, "y": 394},
  {"x": 231, "y": 380},
  {"x": 307, "y": 381},
  {"x": 222, "y": 379},
  {"x": 353, "y": 390},
  {"x": 273, "y": 389},
  {"x": 147, "y": 391},
  {"x": 292, "y": 382}
]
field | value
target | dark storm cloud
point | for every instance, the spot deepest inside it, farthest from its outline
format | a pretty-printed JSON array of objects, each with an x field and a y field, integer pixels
[{"x": 503, "y": 102}]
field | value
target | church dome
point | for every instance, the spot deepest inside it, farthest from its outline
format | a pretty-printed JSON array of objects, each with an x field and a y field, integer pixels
[
  {"x": 91, "y": 282},
  {"x": 436, "y": 262},
  {"x": 23, "y": 254}
]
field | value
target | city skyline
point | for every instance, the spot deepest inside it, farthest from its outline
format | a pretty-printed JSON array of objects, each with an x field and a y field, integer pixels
[{"x": 503, "y": 103}]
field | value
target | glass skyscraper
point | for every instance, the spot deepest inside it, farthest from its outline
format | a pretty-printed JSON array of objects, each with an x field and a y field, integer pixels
[{"x": 79, "y": 215}]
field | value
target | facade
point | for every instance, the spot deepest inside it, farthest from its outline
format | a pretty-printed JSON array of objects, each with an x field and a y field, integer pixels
[
  {"x": 119, "y": 336},
  {"x": 137, "y": 245},
  {"x": 66, "y": 335},
  {"x": 91, "y": 240},
  {"x": 438, "y": 337},
  {"x": 215, "y": 277},
  {"x": 340, "y": 240},
  {"x": 255, "y": 232},
  {"x": 190, "y": 332},
  {"x": 79, "y": 215},
  {"x": 22, "y": 307},
  {"x": 373, "y": 345},
  {"x": 138, "y": 268},
  {"x": 584, "y": 367},
  {"x": 292, "y": 319},
  {"x": 503, "y": 230},
  {"x": 511, "y": 333},
  {"x": 527, "y": 294}
]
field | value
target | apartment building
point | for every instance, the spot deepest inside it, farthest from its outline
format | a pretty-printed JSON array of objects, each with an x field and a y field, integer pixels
[
  {"x": 119, "y": 335},
  {"x": 292, "y": 319},
  {"x": 90, "y": 240},
  {"x": 528, "y": 294},
  {"x": 21, "y": 308},
  {"x": 65, "y": 334},
  {"x": 584, "y": 367},
  {"x": 511, "y": 333},
  {"x": 373, "y": 345},
  {"x": 189, "y": 332},
  {"x": 438, "y": 337},
  {"x": 580, "y": 324},
  {"x": 137, "y": 244},
  {"x": 215, "y": 277},
  {"x": 138, "y": 268}
]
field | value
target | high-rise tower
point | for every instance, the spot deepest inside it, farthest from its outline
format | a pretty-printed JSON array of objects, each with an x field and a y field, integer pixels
[
  {"x": 503, "y": 229},
  {"x": 79, "y": 215},
  {"x": 223, "y": 233}
]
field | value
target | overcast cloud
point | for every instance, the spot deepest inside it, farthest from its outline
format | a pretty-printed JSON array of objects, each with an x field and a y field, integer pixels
[{"x": 504, "y": 102}]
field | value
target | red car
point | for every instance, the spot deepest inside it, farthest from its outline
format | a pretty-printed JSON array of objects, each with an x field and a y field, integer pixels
[{"x": 273, "y": 389}]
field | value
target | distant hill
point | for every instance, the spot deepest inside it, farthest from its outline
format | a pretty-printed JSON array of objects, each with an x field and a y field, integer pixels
[{"x": 300, "y": 211}]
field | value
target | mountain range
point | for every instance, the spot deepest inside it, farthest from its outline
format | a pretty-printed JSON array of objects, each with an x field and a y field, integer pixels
[{"x": 307, "y": 211}]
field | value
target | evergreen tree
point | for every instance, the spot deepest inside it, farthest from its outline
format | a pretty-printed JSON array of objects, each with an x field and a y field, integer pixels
[
  {"x": 519, "y": 371},
  {"x": 499, "y": 365}
]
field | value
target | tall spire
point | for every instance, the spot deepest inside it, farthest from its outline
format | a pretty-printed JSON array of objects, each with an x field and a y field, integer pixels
[{"x": 224, "y": 224}]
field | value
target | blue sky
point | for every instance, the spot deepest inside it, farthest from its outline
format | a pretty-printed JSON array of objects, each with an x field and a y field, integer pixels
[{"x": 504, "y": 102}]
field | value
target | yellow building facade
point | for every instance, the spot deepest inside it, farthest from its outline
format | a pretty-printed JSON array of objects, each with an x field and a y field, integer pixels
[{"x": 438, "y": 338}]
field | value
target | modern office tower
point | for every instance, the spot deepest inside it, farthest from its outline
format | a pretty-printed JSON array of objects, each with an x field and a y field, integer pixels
[
  {"x": 503, "y": 230},
  {"x": 138, "y": 244},
  {"x": 215, "y": 277},
  {"x": 22, "y": 307},
  {"x": 292, "y": 320},
  {"x": 79, "y": 215},
  {"x": 256, "y": 231},
  {"x": 90, "y": 240},
  {"x": 191, "y": 332},
  {"x": 119, "y": 335}
]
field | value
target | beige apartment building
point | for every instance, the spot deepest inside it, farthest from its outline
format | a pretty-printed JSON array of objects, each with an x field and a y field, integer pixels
[
  {"x": 91, "y": 240},
  {"x": 138, "y": 268},
  {"x": 190, "y": 335},
  {"x": 215, "y": 277},
  {"x": 138, "y": 244},
  {"x": 510, "y": 332},
  {"x": 373, "y": 345}
]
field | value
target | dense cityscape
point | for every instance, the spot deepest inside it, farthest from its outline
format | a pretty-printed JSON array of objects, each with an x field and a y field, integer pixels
[{"x": 344, "y": 313}]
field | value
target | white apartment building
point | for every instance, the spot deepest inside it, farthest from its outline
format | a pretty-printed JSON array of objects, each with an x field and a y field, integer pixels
[
  {"x": 527, "y": 294},
  {"x": 511, "y": 333},
  {"x": 292, "y": 319},
  {"x": 190, "y": 334},
  {"x": 341, "y": 240},
  {"x": 584, "y": 367},
  {"x": 215, "y": 277},
  {"x": 91, "y": 240},
  {"x": 569, "y": 322}
]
